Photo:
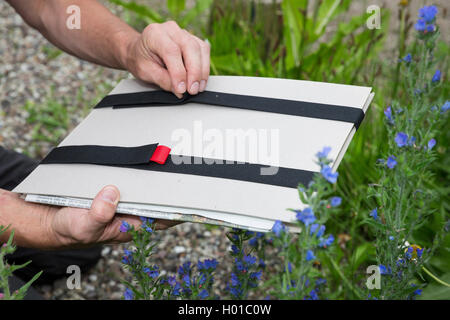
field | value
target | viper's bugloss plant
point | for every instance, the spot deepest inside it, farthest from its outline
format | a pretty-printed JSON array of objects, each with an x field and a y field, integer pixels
[
  {"x": 6, "y": 271},
  {"x": 148, "y": 283},
  {"x": 300, "y": 276},
  {"x": 402, "y": 197},
  {"x": 247, "y": 267}
]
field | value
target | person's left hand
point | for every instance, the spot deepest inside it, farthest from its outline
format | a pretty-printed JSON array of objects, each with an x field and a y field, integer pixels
[
  {"x": 49, "y": 227},
  {"x": 170, "y": 57}
]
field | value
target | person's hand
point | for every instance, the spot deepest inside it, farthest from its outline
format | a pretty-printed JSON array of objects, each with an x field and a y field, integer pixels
[
  {"x": 51, "y": 227},
  {"x": 170, "y": 57}
]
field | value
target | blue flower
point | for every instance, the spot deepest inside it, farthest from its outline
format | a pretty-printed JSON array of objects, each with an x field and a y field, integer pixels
[
  {"x": 185, "y": 268},
  {"x": 391, "y": 162},
  {"x": 146, "y": 220},
  {"x": 319, "y": 228},
  {"x": 128, "y": 294},
  {"x": 313, "y": 295},
  {"x": 235, "y": 280},
  {"x": 171, "y": 281},
  {"x": 203, "y": 294},
  {"x": 436, "y": 76},
  {"x": 420, "y": 25},
  {"x": 431, "y": 144},
  {"x": 240, "y": 266},
  {"x": 320, "y": 281},
  {"x": 313, "y": 228},
  {"x": 176, "y": 291},
  {"x": 278, "y": 228},
  {"x": 256, "y": 275},
  {"x": 326, "y": 242},
  {"x": 234, "y": 249},
  {"x": 411, "y": 141},
  {"x": 290, "y": 267},
  {"x": 445, "y": 106},
  {"x": 321, "y": 231},
  {"x": 336, "y": 201},
  {"x": 128, "y": 257},
  {"x": 408, "y": 253},
  {"x": 306, "y": 216},
  {"x": 401, "y": 139},
  {"x": 250, "y": 260},
  {"x": 391, "y": 238},
  {"x": 374, "y": 214},
  {"x": 417, "y": 292},
  {"x": 407, "y": 59},
  {"x": 261, "y": 263},
  {"x": 388, "y": 114},
  {"x": 208, "y": 264},
  {"x": 152, "y": 273},
  {"x": 187, "y": 280},
  {"x": 236, "y": 292},
  {"x": 428, "y": 13},
  {"x": 324, "y": 153},
  {"x": 384, "y": 270},
  {"x": 419, "y": 252},
  {"x": 310, "y": 255},
  {"x": 124, "y": 227},
  {"x": 328, "y": 174},
  {"x": 253, "y": 242}
]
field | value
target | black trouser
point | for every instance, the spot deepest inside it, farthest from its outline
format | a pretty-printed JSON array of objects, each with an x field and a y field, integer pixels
[{"x": 14, "y": 168}]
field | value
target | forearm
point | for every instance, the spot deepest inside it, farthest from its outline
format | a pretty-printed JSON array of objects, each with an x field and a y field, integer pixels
[
  {"x": 103, "y": 38},
  {"x": 29, "y": 222}
]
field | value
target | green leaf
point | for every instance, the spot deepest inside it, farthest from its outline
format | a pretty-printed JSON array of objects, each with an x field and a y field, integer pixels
[
  {"x": 176, "y": 6},
  {"x": 327, "y": 11},
  {"x": 199, "y": 7},
  {"x": 293, "y": 22},
  {"x": 144, "y": 12}
]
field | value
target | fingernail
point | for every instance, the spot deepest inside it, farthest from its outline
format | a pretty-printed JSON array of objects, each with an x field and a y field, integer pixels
[
  {"x": 181, "y": 87},
  {"x": 194, "y": 88},
  {"x": 110, "y": 195},
  {"x": 202, "y": 85}
]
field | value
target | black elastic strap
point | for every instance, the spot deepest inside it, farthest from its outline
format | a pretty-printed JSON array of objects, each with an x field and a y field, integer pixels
[
  {"x": 103, "y": 155},
  {"x": 289, "y": 107},
  {"x": 138, "y": 158}
]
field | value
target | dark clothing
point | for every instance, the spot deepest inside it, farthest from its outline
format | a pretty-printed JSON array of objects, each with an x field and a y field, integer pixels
[{"x": 15, "y": 167}]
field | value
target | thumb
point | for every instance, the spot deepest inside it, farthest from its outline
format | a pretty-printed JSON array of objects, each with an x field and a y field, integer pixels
[{"x": 104, "y": 206}]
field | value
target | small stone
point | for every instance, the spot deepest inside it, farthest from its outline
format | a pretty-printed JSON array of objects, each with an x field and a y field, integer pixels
[
  {"x": 179, "y": 249},
  {"x": 105, "y": 251}
]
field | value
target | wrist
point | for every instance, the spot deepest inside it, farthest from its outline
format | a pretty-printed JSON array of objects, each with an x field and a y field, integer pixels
[{"x": 125, "y": 41}]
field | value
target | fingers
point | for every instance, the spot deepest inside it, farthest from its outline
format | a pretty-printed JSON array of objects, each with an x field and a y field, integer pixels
[
  {"x": 158, "y": 41},
  {"x": 205, "y": 52},
  {"x": 192, "y": 57},
  {"x": 104, "y": 206},
  {"x": 185, "y": 57}
]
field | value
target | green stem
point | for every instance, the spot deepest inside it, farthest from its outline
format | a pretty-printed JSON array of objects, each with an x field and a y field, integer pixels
[
  {"x": 344, "y": 279},
  {"x": 4, "y": 279},
  {"x": 435, "y": 278}
]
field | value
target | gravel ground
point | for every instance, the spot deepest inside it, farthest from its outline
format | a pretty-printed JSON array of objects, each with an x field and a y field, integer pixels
[
  {"x": 26, "y": 74},
  {"x": 28, "y": 71}
]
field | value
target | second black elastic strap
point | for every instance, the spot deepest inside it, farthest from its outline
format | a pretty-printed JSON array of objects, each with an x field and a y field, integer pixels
[
  {"x": 139, "y": 158},
  {"x": 288, "y": 107}
]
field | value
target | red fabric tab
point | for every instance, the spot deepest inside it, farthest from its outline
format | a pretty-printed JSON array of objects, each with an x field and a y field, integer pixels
[{"x": 160, "y": 155}]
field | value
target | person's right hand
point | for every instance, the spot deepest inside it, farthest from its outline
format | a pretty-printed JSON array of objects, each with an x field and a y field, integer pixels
[{"x": 171, "y": 57}]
